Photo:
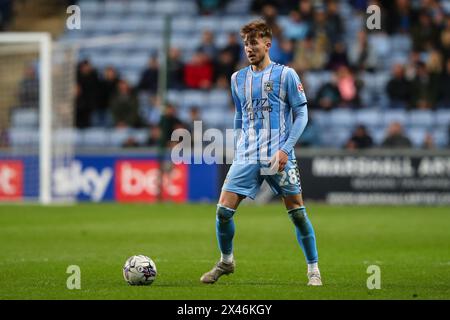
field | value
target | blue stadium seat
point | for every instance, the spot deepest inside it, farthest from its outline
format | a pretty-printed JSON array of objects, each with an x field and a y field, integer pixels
[
  {"x": 116, "y": 7},
  {"x": 344, "y": 118},
  {"x": 25, "y": 118},
  {"x": 421, "y": 118},
  {"x": 183, "y": 24},
  {"x": 395, "y": 116},
  {"x": 322, "y": 118},
  {"x": 369, "y": 117},
  {"x": 219, "y": 99},
  {"x": 95, "y": 137},
  {"x": 91, "y": 7},
  {"x": 416, "y": 135},
  {"x": 140, "y": 135},
  {"x": 441, "y": 137},
  {"x": 207, "y": 23},
  {"x": 335, "y": 138},
  {"x": 64, "y": 137},
  {"x": 175, "y": 97},
  {"x": 442, "y": 117},
  {"x": 194, "y": 97},
  {"x": 118, "y": 136},
  {"x": 22, "y": 137},
  {"x": 139, "y": 7}
]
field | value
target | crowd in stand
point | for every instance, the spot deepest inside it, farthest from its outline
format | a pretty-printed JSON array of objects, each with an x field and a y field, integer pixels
[{"x": 311, "y": 39}]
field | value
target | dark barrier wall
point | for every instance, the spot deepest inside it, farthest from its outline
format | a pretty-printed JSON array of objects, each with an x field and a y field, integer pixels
[{"x": 376, "y": 177}]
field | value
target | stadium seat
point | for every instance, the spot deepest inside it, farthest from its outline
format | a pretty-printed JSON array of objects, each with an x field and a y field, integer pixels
[
  {"x": 343, "y": 118},
  {"x": 207, "y": 23},
  {"x": 194, "y": 98},
  {"x": 117, "y": 137},
  {"x": 139, "y": 7},
  {"x": 416, "y": 135},
  {"x": 394, "y": 116},
  {"x": 369, "y": 117},
  {"x": 22, "y": 137},
  {"x": 65, "y": 137},
  {"x": 25, "y": 118},
  {"x": 322, "y": 118},
  {"x": 92, "y": 7},
  {"x": 421, "y": 118},
  {"x": 218, "y": 99},
  {"x": 95, "y": 137},
  {"x": 441, "y": 137},
  {"x": 442, "y": 117}
]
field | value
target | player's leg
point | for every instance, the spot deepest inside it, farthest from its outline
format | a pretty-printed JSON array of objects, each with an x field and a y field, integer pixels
[
  {"x": 226, "y": 208},
  {"x": 305, "y": 235},
  {"x": 242, "y": 181}
]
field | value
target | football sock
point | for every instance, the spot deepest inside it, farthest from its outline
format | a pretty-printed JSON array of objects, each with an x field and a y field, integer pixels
[
  {"x": 225, "y": 229},
  {"x": 313, "y": 267},
  {"x": 305, "y": 234},
  {"x": 227, "y": 258}
]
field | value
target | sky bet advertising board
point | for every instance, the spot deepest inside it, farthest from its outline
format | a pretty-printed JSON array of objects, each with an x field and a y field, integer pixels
[{"x": 111, "y": 178}]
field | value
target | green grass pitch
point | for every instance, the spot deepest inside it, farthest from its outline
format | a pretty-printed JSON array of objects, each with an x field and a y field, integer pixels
[{"x": 411, "y": 245}]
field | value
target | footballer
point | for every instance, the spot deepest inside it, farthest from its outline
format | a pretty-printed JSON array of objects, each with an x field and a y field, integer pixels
[{"x": 271, "y": 114}]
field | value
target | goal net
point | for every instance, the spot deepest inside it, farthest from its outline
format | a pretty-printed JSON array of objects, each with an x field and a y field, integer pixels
[{"x": 37, "y": 91}]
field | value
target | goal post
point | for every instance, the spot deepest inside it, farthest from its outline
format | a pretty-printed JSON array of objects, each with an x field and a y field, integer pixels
[{"x": 55, "y": 67}]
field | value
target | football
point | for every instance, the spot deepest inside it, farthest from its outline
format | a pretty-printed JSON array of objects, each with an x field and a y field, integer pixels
[{"x": 139, "y": 270}]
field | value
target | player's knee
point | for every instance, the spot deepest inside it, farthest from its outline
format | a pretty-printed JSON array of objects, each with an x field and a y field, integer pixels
[
  {"x": 298, "y": 216},
  {"x": 224, "y": 214}
]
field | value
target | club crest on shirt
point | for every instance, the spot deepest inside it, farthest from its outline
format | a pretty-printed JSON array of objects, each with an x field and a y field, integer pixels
[
  {"x": 300, "y": 87},
  {"x": 268, "y": 86}
]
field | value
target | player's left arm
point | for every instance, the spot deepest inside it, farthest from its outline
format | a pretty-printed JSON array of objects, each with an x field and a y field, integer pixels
[{"x": 297, "y": 101}]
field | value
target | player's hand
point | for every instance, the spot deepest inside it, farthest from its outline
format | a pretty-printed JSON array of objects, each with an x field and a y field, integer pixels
[{"x": 282, "y": 158}]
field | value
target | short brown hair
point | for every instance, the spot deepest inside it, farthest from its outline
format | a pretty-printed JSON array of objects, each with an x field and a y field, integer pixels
[{"x": 256, "y": 29}]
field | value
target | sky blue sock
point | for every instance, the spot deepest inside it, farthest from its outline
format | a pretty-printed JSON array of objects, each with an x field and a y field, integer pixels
[
  {"x": 305, "y": 233},
  {"x": 225, "y": 229}
]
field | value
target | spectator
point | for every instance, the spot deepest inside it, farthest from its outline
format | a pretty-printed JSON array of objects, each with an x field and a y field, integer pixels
[
  {"x": 395, "y": 137},
  {"x": 149, "y": 77},
  {"x": 424, "y": 88},
  {"x": 402, "y": 17},
  {"x": 310, "y": 54},
  {"x": 306, "y": 10},
  {"x": 444, "y": 45},
  {"x": 198, "y": 73},
  {"x": 125, "y": 107},
  {"x": 207, "y": 46},
  {"x": 398, "y": 88},
  {"x": 168, "y": 123},
  {"x": 233, "y": 46},
  {"x": 328, "y": 96},
  {"x": 424, "y": 33},
  {"x": 444, "y": 87},
  {"x": 108, "y": 88},
  {"x": 6, "y": 11},
  {"x": 88, "y": 81},
  {"x": 338, "y": 57},
  {"x": 334, "y": 19},
  {"x": 224, "y": 65},
  {"x": 175, "y": 69},
  {"x": 194, "y": 115},
  {"x": 360, "y": 139},
  {"x": 207, "y": 7},
  {"x": 154, "y": 136},
  {"x": 29, "y": 89},
  {"x": 348, "y": 87},
  {"x": 150, "y": 108},
  {"x": 428, "y": 142},
  {"x": 362, "y": 55}
]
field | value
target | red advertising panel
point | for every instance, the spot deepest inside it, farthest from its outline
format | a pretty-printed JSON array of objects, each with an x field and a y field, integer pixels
[
  {"x": 11, "y": 179},
  {"x": 137, "y": 181}
]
